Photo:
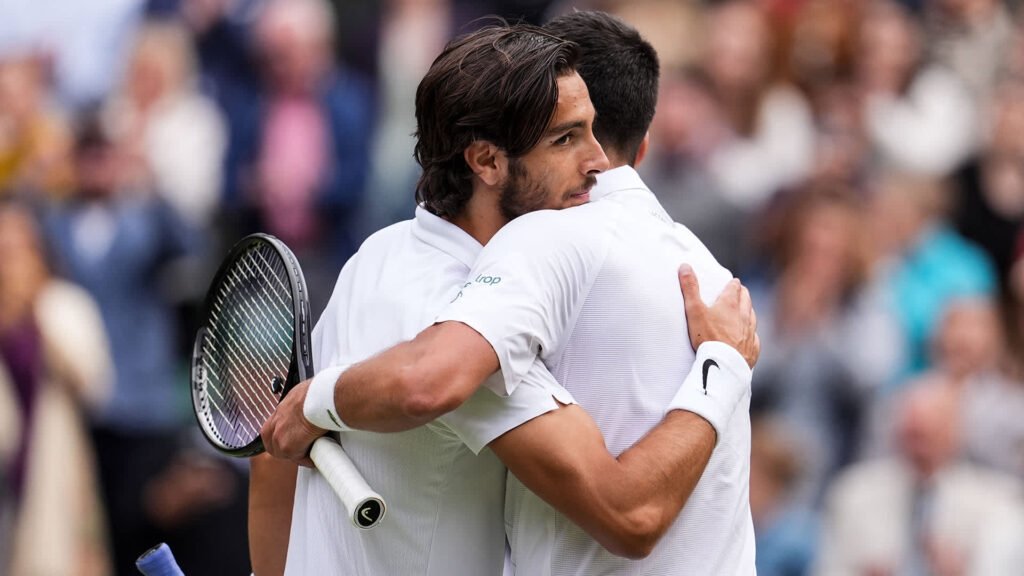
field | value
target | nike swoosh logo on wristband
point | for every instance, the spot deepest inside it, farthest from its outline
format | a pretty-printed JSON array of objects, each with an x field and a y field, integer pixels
[{"x": 707, "y": 366}]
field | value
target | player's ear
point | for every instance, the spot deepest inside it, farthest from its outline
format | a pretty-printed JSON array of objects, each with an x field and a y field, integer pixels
[
  {"x": 641, "y": 152},
  {"x": 487, "y": 161}
]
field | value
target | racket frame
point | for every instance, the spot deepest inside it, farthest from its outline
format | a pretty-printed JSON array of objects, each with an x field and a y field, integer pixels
[{"x": 301, "y": 366}]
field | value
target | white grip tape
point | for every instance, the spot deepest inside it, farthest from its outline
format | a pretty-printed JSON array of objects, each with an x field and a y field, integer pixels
[{"x": 365, "y": 507}]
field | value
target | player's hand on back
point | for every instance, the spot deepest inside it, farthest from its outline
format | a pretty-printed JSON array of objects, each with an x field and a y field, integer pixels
[
  {"x": 288, "y": 434},
  {"x": 730, "y": 319}
]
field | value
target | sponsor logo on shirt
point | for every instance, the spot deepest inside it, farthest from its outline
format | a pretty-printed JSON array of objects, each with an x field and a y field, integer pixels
[{"x": 481, "y": 279}]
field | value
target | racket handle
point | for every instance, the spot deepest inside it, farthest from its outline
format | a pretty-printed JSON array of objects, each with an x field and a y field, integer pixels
[
  {"x": 158, "y": 561},
  {"x": 365, "y": 507}
]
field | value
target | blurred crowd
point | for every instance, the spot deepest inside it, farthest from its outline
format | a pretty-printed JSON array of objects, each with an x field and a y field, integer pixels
[{"x": 858, "y": 163}]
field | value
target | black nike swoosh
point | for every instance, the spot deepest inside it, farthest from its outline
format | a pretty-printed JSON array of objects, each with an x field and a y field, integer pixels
[{"x": 707, "y": 366}]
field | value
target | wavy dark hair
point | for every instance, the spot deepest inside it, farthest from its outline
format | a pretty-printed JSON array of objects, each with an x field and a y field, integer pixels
[
  {"x": 498, "y": 84},
  {"x": 621, "y": 70}
]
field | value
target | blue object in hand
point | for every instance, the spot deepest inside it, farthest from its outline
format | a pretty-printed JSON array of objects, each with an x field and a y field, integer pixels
[{"x": 158, "y": 561}]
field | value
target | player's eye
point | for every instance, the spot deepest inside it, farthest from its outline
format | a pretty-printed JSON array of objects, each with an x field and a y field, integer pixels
[{"x": 563, "y": 140}]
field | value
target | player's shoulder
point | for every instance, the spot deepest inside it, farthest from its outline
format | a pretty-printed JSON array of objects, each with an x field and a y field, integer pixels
[
  {"x": 387, "y": 235},
  {"x": 571, "y": 225},
  {"x": 696, "y": 248},
  {"x": 383, "y": 241}
]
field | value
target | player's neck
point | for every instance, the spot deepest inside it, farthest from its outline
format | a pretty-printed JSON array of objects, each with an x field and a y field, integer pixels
[{"x": 481, "y": 218}]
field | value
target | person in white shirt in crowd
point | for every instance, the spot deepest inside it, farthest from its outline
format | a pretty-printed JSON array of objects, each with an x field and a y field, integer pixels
[
  {"x": 174, "y": 136},
  {"x": 920, "y": 118},
  {"x": 592, "y": 292},
  {"x": 770, "y": 143},
  {"x": 943, "y": 515}
]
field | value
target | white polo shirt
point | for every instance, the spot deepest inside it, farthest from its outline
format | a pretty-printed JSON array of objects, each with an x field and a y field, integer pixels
[
  {"x": 445, "y": 501},
  {"x": 593, "y": 291}
]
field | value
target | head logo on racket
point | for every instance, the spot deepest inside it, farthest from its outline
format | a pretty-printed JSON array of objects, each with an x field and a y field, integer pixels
[{"x": 369, "y": 513}]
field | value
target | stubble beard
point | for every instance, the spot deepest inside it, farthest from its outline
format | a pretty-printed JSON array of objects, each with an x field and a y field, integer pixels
[{"x": 520, "y": 195}]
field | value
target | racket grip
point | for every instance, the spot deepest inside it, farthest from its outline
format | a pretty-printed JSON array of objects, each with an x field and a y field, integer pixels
[
  {"x": 158, "y": 561},
  {"x": 365, "y": 507}
]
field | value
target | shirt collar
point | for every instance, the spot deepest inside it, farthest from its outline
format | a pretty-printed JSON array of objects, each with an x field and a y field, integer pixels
[
  {"x": 626, "y": 185},
  {"x": 621, "y": 178},
  {"x": 446, "y": 237}
]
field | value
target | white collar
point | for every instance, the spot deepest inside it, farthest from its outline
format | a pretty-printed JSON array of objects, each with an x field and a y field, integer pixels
[
  {"x": 446, "y": 237},
  {"x": 622, "y": 178}
]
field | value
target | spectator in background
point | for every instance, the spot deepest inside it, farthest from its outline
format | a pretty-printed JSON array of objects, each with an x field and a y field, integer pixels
[
  {"x": 820, "y": 60},
  {"x": 843, "y": 155},
  {"x": 822, "y": 44},
  {"x": 175, "y": 134},
  {"x": 973, "y": 38},
  {"x": 412, "y": 32},
  {"x": 923, "y": 511},
  {"x": 971, "y": 349},
  {"x": 299, "y": 147},
  {"x": 220, "y": 30},
  {"x": 989, "y": 204},
  {"x": 926, "y": 263},
  {"x": 84, "y": 43},
  {"x": 829, "y": 341},
  {"x": 1014, "y": 311},
  {"x": 919, "y": 117},
  {"x": 687, "y": 128},
  {"x": 786, "y": 531},
  {"x": 969, "y": 339},
  {"x": 114, "y": 238},
  {"x": 35, "y": 140},
  {"x": 54, "y": 363},
  {"x": 771, "y": 139}
]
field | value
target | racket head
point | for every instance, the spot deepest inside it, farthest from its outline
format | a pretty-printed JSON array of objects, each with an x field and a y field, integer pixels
[{"x": 253, "y": 345}]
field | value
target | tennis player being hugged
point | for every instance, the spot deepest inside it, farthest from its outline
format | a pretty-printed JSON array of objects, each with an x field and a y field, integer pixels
[{"x": 591, "y": 295}]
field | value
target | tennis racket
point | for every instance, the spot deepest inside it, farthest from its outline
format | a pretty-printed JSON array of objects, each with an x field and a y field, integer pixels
[{"x": 252, "y": 348}]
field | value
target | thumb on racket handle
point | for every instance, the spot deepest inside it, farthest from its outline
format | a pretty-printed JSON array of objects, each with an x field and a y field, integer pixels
[{"x": 365, "y": 507}]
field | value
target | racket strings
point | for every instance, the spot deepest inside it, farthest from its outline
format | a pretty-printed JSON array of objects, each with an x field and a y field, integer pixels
[
  {"x": 242, "y": 412},
  {"x": 240, "y": 395},
  {"x": 256, "y": 357},
  {"x": 249, "y": 344},
  {"x": 247, "y": 364}
]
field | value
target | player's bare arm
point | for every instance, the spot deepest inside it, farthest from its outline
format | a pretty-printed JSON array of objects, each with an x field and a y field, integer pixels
[
  {"x": 625, "y": 503},
  {"x": 271, "y": 490}
]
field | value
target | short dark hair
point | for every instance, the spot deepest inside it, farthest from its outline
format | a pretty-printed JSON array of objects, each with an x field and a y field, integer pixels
[
  {"x": 621, "y": 71},
  {"x": 498, "y": 84}
]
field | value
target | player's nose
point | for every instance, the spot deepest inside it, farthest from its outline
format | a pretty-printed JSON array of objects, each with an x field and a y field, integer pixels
[{"x": 596, "y": 160}]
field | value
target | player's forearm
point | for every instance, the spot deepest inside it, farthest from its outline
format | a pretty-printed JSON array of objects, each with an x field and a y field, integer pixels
[
  {"x": 415, "y": 382},
  {"x": 654, "y": 480},
  {"x": 672, "y": 458},
  {"x": 271, "y": 496},
  {"x": 627, "y": 503},
  {"x": 382, "y": 394}
]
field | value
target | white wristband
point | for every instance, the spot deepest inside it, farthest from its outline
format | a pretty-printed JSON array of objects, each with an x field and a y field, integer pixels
[
  {"x": 718, "y": 381},
  {"x": 319, "y": 407}
]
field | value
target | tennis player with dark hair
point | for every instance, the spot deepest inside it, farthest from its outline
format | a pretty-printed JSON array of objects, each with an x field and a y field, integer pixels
[
  {"x": 592, "y": 292},
  {"x": 504, "y": 128}
]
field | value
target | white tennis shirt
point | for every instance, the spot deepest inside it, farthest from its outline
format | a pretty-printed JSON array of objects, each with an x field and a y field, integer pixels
[
  {"x": 593, "y": 291},
  {"x": 445, "y": 503}
]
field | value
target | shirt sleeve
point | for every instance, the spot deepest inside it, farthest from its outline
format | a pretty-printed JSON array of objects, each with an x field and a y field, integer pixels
[
  {"x": 486, "y": 416},
  {"x": 525, "y": 290},
  {"x": 327, "y": 345}
]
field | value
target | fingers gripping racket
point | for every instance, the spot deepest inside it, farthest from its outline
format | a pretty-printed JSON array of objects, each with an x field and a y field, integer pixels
[{"x": 252, "y": 348}]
